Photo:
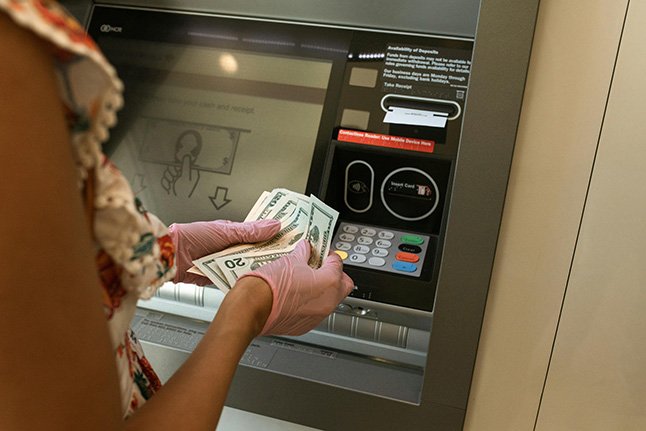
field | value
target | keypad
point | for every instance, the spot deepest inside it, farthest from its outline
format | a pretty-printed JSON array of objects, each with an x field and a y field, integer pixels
[{"x": 382, "y": 249}]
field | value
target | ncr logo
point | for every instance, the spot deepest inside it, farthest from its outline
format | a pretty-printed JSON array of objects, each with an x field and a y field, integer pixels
[{"x": 107, "y": 28}]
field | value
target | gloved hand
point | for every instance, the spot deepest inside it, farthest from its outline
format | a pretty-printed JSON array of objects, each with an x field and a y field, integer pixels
[
  {"x": 197, "y": 239},
  {"x": 302, "y": 296}
]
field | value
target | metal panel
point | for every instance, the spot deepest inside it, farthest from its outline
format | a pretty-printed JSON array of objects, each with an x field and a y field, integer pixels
[
  {"x": 451, "y": 18},
  {"x": 500, "y": 61}
]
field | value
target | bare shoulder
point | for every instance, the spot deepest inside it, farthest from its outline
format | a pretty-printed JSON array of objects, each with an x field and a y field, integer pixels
[
  {"x": 22, "y": 55},
  {"x": 27, "y": 84}
]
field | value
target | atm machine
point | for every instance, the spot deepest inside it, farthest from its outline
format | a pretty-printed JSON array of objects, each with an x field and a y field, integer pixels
[{"x": 399, "y": 115}]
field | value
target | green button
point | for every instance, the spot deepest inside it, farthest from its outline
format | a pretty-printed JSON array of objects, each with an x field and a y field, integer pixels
[{"x": 412, "y": 239}]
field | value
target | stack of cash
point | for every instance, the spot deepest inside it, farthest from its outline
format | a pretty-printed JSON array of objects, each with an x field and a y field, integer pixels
[{"x": 301, "y": 217}]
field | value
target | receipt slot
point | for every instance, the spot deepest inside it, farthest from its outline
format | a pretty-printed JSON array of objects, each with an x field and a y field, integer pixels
[{"x": 403, "y": 120}]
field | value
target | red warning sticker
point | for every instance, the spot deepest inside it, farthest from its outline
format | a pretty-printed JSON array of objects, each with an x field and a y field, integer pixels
[{"x": 390, "y": 141}]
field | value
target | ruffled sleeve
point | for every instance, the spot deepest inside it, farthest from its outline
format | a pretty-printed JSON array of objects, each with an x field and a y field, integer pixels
[
  {"x": 134, "y": 253},
  {"x": 135, "y": 242}
]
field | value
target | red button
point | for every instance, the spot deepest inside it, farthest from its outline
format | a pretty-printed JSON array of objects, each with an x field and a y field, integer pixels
[{"x": 407, "y": 257}]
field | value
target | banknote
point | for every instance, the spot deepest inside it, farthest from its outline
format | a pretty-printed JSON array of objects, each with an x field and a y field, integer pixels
[
  {"x": 234, "y": 266},
  {"x": 320, "y": 230},
  {"x": 207, "y": 267},
  {"x": 293, "y": 228},
  {"x": 255, "y": 209},
  {"x": 291, "y": 231},
  {"x": 277, "y": 204},
  {"x": 301, "y": 217},
  {"x": 261, "y": 211}
]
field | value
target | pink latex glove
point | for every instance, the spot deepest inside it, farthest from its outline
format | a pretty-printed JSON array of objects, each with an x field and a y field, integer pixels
[
  {"x": 197, "y": 239},
  {"x": 302, "y": 296}
]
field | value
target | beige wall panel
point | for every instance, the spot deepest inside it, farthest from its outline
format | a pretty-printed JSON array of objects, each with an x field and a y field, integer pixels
[
  {"x": 570, "y": 72},
  {"x": 597, "y": 379}
]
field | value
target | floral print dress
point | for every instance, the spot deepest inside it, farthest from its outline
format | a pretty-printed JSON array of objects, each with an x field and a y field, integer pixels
[{"x": 134, "y": 254}]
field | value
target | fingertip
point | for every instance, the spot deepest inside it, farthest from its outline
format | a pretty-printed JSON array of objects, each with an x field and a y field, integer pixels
[
  {"x": 333, "y": 259},
  {"x": 348, "y": 284},
  {"x": 186, "y": 162},
  {"x": 333, "y": 267}
]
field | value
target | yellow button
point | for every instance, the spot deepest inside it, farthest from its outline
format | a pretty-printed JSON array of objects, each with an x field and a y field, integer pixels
[{"x": 342, "y": 254}]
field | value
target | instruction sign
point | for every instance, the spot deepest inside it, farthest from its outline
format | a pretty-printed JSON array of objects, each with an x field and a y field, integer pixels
[{"x": 426, "y": 71}]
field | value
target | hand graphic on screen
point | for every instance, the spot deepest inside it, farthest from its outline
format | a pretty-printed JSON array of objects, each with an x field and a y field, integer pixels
[{"x": 181, "y": 180}]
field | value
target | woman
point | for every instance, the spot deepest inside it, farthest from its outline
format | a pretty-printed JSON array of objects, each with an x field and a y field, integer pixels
[{"x": 78, "y": 250}]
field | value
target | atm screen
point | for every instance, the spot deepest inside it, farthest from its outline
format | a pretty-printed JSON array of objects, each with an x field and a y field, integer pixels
[{"x": 216, "y": 115}]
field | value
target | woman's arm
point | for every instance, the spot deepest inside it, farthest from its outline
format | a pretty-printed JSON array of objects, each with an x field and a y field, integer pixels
[
  {"x": 286, "y": 296},
  {"x": 194, "y": 396},
  {"x": 57, "y": 369}
]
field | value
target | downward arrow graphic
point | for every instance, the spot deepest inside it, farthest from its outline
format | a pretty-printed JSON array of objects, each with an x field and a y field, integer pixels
[{"x": 219, "y": 198}]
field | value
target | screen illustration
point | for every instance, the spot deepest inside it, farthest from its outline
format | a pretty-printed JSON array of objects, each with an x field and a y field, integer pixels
[{"x": 186, "y": 150}]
